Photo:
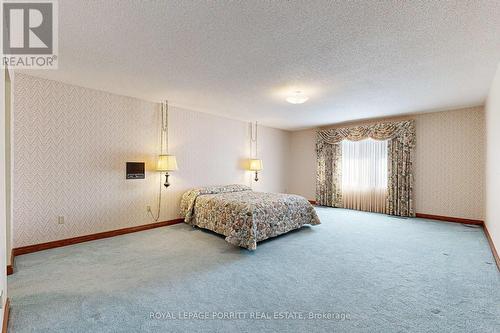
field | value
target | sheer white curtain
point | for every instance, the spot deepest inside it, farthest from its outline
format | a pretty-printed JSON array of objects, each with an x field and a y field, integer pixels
[{"x": 364, "y": 175}]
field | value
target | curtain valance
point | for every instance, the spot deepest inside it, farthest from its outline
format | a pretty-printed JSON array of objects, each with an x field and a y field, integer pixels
[{"x": 403, "y": 130}]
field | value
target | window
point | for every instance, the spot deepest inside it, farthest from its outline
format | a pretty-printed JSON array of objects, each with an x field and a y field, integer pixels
[{"x": 364, "y": 175}]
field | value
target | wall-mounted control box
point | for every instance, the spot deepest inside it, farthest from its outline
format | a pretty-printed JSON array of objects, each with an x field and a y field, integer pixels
[{"x": 135, "y": 170}]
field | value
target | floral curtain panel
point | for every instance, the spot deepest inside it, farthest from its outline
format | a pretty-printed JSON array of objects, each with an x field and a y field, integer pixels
[
  {"x": 329, "y": 177},
  {"x": 401, "y": 152}
]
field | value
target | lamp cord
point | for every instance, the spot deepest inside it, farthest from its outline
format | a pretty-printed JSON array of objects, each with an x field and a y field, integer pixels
[
  {"x": 256, "y": 139},
  {"x": 253, "y": 138},
  {"x": 163, "y": 138},
  {"x": 159, "y": 204},
  {"x": 165, "y": 129}
]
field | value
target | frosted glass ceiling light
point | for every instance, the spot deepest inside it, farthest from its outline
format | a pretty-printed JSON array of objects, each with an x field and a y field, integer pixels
[{"x": 297, "y": 97}]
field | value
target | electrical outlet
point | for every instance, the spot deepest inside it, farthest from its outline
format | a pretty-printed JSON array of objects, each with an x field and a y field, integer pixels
[
  {"x": 148, "y": 209},
  {"x": 60, "y": 220}
]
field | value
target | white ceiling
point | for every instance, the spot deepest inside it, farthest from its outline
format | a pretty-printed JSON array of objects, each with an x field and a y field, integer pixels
[{"x": 239, "y": 59}]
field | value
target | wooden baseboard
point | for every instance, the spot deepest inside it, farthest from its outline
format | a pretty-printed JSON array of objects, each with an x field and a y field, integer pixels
[
  {"x": 449, "y": 219},
  {"x": 10, "y": 268},
  {"x": 80, "y": 239},
  {"x": 492, "y": 246},
  {"x": 6, "y": 312}
]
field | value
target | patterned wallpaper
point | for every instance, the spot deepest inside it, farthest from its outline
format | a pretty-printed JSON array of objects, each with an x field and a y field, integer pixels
[
  {"x": 70, "y": 149},
  {"x": 71, "y": 145},
  {"x": 449, "y": 168},
  {"x": 450, "y": 163}
]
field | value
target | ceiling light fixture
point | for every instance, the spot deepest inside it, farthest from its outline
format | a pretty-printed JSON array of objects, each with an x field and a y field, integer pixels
[{"x": 297, "y": 97}]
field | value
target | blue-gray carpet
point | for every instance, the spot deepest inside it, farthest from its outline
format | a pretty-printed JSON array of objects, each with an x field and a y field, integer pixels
[{"x": 359, "y": 272}]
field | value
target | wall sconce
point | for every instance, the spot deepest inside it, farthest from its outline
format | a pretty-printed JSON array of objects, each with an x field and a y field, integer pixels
[
  {"x": 255, "y": 165},
  {"x": 165, "y": 164}
]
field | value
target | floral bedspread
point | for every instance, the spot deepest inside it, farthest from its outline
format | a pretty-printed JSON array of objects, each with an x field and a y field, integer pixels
[{"x": 246, "y": 217}]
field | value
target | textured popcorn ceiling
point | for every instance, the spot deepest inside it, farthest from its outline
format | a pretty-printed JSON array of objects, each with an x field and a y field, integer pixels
[{"x": 239, "y": 59}]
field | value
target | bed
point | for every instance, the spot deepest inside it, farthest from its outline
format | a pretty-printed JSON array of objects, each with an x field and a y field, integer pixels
[{"x": 245, "y": 217}]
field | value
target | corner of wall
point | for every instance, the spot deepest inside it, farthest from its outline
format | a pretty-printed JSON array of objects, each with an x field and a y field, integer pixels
[
  {"x": 3, "y": 226},
  {"x": 492, "y": 221}
]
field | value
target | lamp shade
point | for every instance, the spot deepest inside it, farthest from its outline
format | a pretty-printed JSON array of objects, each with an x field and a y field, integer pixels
[
  {"x": 166, "y": 163},
  {"x": 255, "y": 165}
]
